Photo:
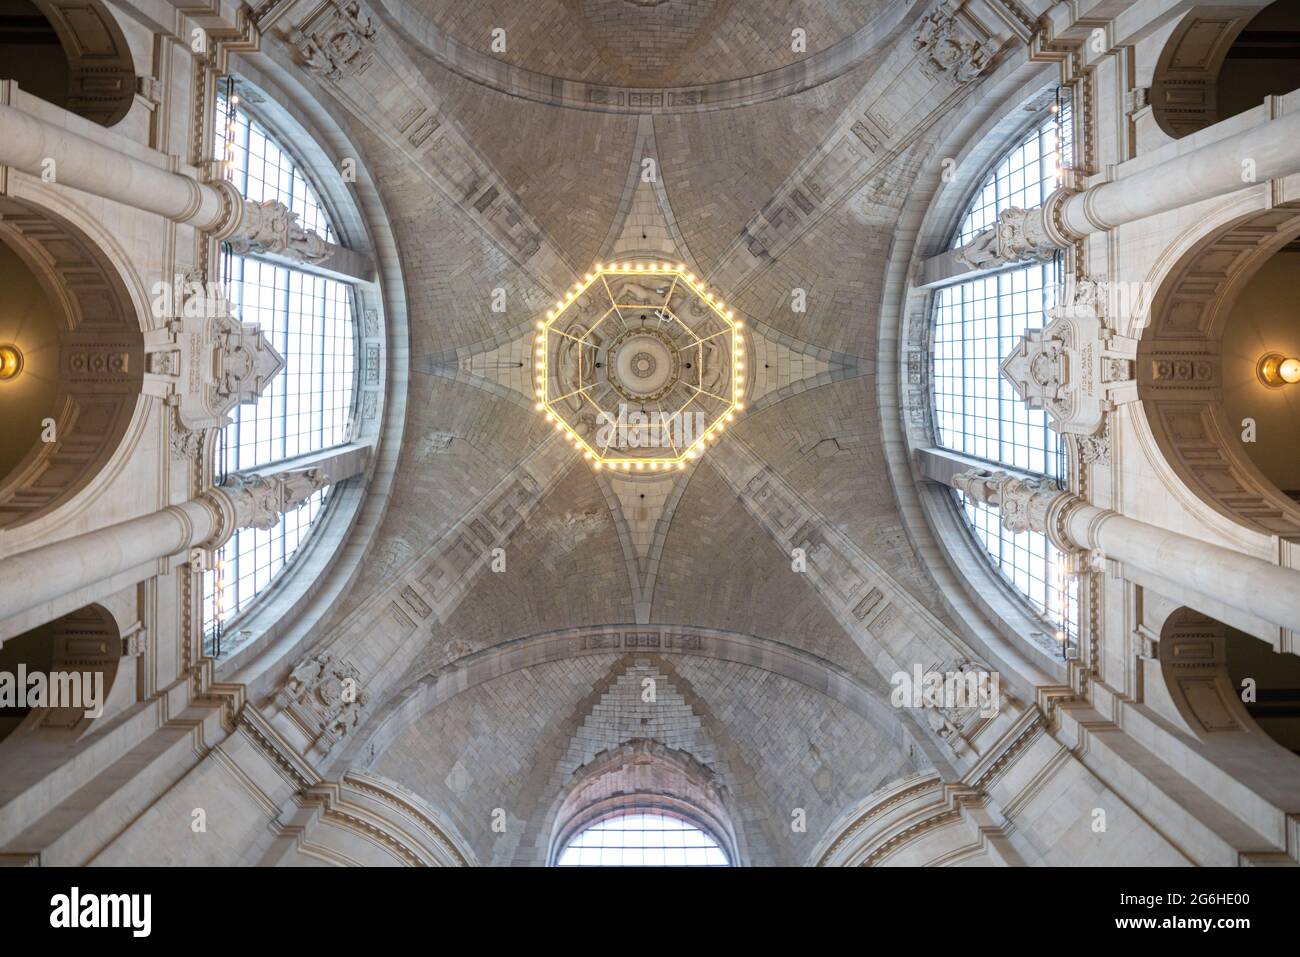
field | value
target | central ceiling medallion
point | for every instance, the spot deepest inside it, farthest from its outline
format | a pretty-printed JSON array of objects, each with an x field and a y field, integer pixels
[{"x": 640, "y": 366}]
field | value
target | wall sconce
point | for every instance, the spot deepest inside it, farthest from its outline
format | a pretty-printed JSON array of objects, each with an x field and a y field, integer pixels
[
  {"x": 11, "y": 362},
  {"x": 1276, "y": 370}
]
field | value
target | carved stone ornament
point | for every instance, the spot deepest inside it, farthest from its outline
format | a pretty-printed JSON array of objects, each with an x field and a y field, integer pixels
[
  {"x": 1095, "y": 449},
  {"x": 186, "y": 444},
  {"x": 338, "y": 42},
  {"x": 1019, "y": 235},
  {"x": 271, "y": 227},
  {"x": 324, "y": 696},
  {"x": 244, "y": 363},
  {"x": 949, "y": 49},
  {"x": 1075, "y": 369},
  {"x": 260, "y": 500},
  {"x": 1023, "y": 503},
  {"x": 212, "y": 362}
]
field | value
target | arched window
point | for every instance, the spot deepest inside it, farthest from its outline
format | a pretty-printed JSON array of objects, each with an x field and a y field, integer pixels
[
  {"x": 976, "y": 324},
  {"x": 642, "y": 837},
  {"x": 308, "y": 407}
]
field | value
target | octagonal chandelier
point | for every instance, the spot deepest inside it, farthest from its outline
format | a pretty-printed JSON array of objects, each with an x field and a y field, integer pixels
[{"x": 640, "y": 366}]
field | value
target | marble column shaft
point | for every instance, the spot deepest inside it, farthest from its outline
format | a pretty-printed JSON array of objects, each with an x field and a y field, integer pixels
[
  {"x": 31, "y": 578},
  {"x": 28, "y": 142},
  {"x": 1231, "y": 578},
  {"x": 1239, "y": 581},
  {"x": 1265, "y": 152}
]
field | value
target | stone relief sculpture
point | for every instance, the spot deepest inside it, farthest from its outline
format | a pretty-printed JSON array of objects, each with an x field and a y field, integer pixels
[
  {"x": 642, "y": 295},
  {"x": 1017, "y": 236},
  {"x": 337, "y": 43},
  {"x": 324, "y": 697},
  {"x": 950, "y": 49},
  {"x": 1022, "y": 502},
  {"x": 713, "y": 369},
  {"x": 210, "y": 362},
  {"x": 260, "y": 500},
  {"x": 576, "y": 363}
]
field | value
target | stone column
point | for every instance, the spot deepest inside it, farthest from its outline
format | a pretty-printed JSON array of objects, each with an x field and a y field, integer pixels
[
  {"x": 1238, "y": 581},
  {"x": 1264, "y": 152},
  {"x": 33, "y": 577},
  {"x": 31, "y": 144}
]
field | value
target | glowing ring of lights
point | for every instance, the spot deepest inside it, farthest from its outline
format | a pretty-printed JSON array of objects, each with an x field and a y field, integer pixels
[{"x": 707, "y": 305}]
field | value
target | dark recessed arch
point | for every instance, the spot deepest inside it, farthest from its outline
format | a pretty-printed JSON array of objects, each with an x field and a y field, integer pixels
[
  {"x": 1223, "y": 59},
  {"x": 70, "y": 53}
]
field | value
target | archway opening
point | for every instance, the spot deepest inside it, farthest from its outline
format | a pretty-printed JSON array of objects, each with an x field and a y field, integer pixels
[
  {"x": 29, "y": 335},
  {"x": 77, "y": 361},
  {"x": 1225, "y": 432},
  {"x": 57, "y": 676},
  {"x": 70, "y": 53},
  {"x": 1262, "y": 323},
  {"x": 30, "y": 52},
  {"x": 1264, "y": 60},
  {"x": 976, "y": 323},
  {"x": 1270, "y": 684},
  {"x": 645, "y": 804},
  {"x": 1222, "y": 60}
]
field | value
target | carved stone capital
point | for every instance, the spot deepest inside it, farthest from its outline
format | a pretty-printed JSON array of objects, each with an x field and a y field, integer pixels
[
  {"x": 1024, "y": 234},
  {"x": 1023, "y": 503},
  {"x": 271, "y": 227},
  {"x": 1019, "y": 235},
  {"x": 259, "y": 500}
]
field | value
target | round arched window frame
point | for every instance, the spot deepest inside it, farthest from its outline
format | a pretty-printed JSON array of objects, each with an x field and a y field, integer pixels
[
  {"x": 310, "y": 406},
  {"x": 643, "y": 835},
  {"x": 975, "y": 324}
]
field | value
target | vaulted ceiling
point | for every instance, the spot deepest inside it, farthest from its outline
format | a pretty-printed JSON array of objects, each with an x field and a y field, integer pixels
[
  {"x": 686, "y": 550},
  {"x": 649, "y": 43}
]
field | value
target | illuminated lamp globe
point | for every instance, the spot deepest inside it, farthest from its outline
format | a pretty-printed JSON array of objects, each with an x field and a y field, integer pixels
[{"x": 11, "y": 362}]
